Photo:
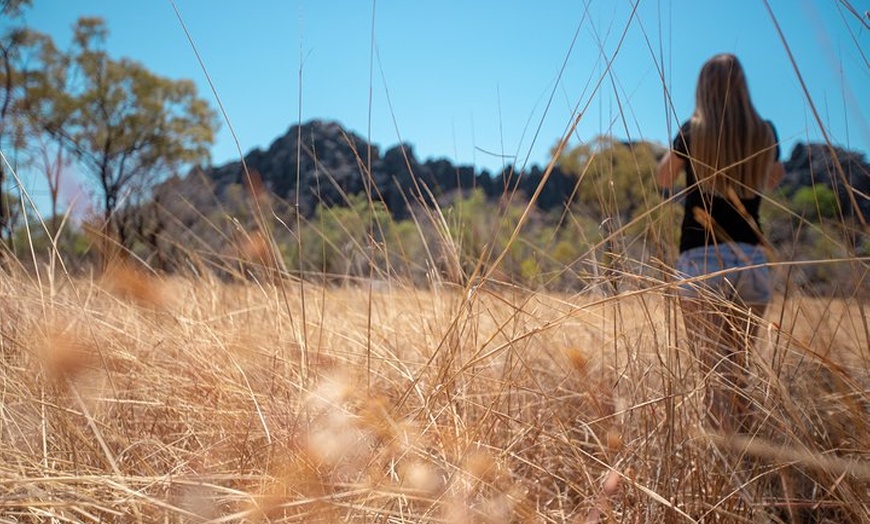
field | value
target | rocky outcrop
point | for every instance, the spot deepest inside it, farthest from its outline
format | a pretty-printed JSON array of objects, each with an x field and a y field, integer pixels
[
  {"x": 319, "y": 160},
  {"x": 812, "y": 164},
  {"x": 320, "y": 163}
]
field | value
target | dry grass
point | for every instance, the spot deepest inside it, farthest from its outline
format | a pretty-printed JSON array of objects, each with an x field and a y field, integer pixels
[
  {"x": 230, "y": 403},
  {"x": 136, "y": 398}
]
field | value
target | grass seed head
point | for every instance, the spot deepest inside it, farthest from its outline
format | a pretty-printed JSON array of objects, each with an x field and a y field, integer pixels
[
  {"x": 130, "y": 283},
  {"x": 375, "y": 416},
  {"x": 294, "y": 479},
  {"x": 578, "y": 359},
  {"x": 64, "y": 353},
  {"x": 481, "y": 465},
  {"x": 336, "y": 440},
  {"x": 255, "y": 248},
  {"x": 421, "y": 478},
  {"x": 613, "y": 439}
]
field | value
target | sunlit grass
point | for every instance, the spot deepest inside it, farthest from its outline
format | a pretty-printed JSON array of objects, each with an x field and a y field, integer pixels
[
  {"x": 220, "y": 404},
  {"x": 345, "y": 367}
]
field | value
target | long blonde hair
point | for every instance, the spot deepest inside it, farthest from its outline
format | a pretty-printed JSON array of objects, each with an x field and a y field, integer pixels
[{"x": 732, "y": 148}]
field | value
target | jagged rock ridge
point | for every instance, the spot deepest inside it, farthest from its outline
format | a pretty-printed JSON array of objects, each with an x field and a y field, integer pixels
[{"x": 324, "y": 163}]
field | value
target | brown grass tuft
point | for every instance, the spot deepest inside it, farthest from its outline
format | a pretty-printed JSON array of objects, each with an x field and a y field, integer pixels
[
  {"x": 128, "y": 282},
  {"x": 64, "y": 351},
  {"x": 578, "y": 359}
]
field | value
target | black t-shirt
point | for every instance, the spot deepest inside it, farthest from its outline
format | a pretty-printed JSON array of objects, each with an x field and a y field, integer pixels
[{"x": 729, "y": 224}]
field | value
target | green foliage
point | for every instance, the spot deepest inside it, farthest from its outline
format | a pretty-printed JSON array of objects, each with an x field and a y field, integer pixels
[
  {"x": 363, "y": 240},
  {"x": 616, "y": 178},
  {"x": 617, "y": 214},
  {"x": 12, "y": 8},
  {"x": 356, "y": 241},
  {"x": 43, "y": 241},
  {"x": 560, "y": 250},
  {"x": 124, "y": 124},
  {"x": 816, "y": 202},
  {"x": 470, "y": 223},
  {"x": 481, "y": 231}
]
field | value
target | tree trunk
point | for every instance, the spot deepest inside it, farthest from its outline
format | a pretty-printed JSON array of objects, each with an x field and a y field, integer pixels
[{"x": 4, "y": 209}]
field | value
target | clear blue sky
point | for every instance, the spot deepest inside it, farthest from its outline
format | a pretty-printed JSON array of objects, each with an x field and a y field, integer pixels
[{"x": 470, "y": 80}]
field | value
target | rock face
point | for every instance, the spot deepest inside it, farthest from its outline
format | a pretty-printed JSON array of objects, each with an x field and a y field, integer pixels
[
  {"x": 319, "y": 160},
  {"x": 812, "y": 164},
  {"x": 321, "y": 163}
]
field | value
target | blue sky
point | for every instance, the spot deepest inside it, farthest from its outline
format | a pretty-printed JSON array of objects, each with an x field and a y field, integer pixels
[{"x": 485, "y": 82}]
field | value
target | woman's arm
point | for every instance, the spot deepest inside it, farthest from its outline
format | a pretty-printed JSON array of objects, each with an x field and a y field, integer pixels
[
  {"x": 669, "y": 169},
  {"x": 777, "y": 172}
]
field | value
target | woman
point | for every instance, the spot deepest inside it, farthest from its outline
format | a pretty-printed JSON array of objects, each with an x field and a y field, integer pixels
[{"x": 730, "y": 157}]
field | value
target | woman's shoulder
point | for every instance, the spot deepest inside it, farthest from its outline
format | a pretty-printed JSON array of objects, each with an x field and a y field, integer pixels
[
  {"x": 775, "y": 137},
  {"x": 681, "y": 141},
  {"x": 684, "y": 128}
]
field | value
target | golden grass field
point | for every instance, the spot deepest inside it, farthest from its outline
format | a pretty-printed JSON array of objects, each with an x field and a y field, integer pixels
[{"x": 131, "y": 398}]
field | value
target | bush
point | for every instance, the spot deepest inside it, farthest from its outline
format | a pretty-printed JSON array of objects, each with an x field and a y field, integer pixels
[{"x": 816, "y": 202}]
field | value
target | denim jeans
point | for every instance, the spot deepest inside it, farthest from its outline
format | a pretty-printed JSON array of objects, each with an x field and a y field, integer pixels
[{"x": 723, "y": 270}]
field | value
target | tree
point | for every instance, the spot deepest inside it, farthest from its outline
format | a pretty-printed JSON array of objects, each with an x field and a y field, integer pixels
[
  {"x": 616, "y": 191},
  {"x": 616, "y": 179},
  {"x": 10, "y": 41},
  {"x": 125, "y": 125},
  {"x": 816, "y": 202},
  {"x": 12, "y": 8}
]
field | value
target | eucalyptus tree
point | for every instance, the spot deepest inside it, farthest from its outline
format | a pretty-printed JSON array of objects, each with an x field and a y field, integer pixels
[
  {"x": 11, "y": 39},
  {"x": 126, "y": 126}
]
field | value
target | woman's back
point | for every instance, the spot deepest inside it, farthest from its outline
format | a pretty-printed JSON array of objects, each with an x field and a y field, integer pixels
[
  {"x": 732, "y": 147},
  {"x": 712, "y": 217}
]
